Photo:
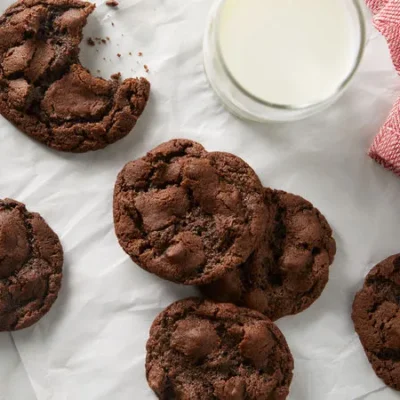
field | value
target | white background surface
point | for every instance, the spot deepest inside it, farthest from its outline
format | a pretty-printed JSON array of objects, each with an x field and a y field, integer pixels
[{"x": 91, "y": 344}]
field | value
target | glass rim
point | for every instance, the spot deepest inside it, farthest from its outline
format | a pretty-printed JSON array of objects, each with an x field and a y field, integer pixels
[{"x": 341, "y": 87}]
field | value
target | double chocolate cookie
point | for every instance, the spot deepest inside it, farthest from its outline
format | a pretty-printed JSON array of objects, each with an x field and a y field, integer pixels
[
  {"x": 45, "y": 91},
  {"x": 200, "y": 350},
  {"x": 187, "y": 215},
  {"x": 31, "y": 260},
  {"x": 290, "y": 268},
  {"x": 376, "y": 316}
]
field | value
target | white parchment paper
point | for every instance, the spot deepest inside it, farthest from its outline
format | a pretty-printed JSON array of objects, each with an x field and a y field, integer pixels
[{"x": 91, "y": 346}]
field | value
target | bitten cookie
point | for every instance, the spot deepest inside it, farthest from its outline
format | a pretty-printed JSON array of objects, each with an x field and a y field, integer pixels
[
  {"x": 187, "y": 215},
  {"x": 31, "y": 259},
  {"x": 201, "y": 350},
  {"x": 45, "y": 91},
  {"x": 290, "y": 268},
  {"x": 376, "y": 317}
]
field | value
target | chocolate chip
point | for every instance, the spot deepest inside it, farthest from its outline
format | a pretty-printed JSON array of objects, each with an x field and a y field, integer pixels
[{"x": 195, "y": 338}]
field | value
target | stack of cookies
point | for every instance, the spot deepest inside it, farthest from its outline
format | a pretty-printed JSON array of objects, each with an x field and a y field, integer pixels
[{"x": 203, "y": 218}]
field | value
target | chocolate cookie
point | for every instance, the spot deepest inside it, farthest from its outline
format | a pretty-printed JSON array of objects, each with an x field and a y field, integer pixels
[
  {"x": 45, "y": 91},
  {"x": 290, "y": 268},
  {"x": 31, "y": 260},
  {"x": 187, "y": 215},
  {"x": 376, "y": 317},
  {"x": 200, "y": 350}
]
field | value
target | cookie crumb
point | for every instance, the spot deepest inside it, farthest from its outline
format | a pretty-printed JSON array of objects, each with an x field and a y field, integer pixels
[
  {"x": 130, "y": 53},
  {"x": 98, "y": 71},
  {"x": 119, "y": 55},
  {"x": 116, "y": 76},
  {"x": 146, "y": 68},
  {"x": 108, "y": 38},
  {"x": 112, "y": 23},
  {"x": 90, "y": 42},
  {"x": 112, "y": 3},
  {"x": 103, "y": 41},
  {"x": 140, "y": 54}
]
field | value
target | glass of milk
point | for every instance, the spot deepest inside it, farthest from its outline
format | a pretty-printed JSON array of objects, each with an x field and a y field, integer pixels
[{"x": 282, "y": 60}]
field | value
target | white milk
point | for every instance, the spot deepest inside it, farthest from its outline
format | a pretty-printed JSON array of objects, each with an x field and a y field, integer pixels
[{"x": 288, "y": 52}]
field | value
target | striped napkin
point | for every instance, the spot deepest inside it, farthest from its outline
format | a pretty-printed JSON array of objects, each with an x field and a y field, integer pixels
[{"x": 386, "y": 147}]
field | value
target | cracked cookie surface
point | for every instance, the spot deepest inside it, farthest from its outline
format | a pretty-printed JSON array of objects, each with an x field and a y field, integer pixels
[
  {"x": 45, "y": 91},
  {"x": 290, "y": 268},
  {"x": 201, "y": 350},
  {"x": 187, "y": 215},
  {"x": 31, "y": 259},
  {"x": 376, "y": 317}
]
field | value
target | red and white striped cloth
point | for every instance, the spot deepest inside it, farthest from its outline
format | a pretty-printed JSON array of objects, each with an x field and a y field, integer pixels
[{"x": 386, "y": 147}]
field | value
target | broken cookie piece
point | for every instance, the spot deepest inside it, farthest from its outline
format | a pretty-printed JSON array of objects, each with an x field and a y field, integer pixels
[{"x": 45, "y": 91}]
